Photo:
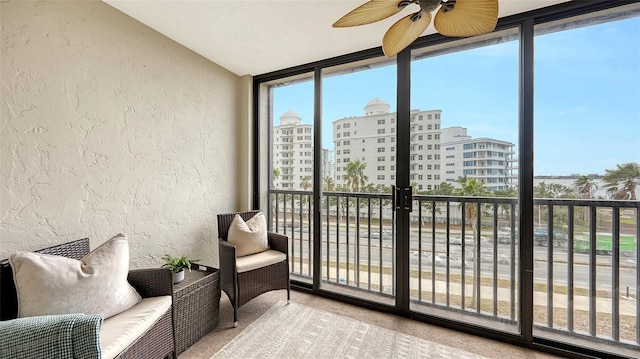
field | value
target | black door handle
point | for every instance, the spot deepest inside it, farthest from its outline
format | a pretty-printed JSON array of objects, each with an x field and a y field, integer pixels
[
  {"x": 402, "y": 198},
  {"x": 408, "y": 199}
]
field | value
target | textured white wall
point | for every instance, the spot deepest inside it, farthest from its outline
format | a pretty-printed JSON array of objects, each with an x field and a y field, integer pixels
[{"x": 108, "y": 126}]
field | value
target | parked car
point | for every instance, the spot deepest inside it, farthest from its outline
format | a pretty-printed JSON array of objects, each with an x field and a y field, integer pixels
[
  {"x": 375, "y": 234},
  {"x": 504, "y": 259},
  {"x": 422, "y": 258},
  {"x": 505, "y": 238},
  {"x": 457, "y": 240},
  {"x": 486, "y": 256},
  {"x": 541, "y": 237},
  {"x": 454, "y": 261},
  {"x": 469, "y": 240}
]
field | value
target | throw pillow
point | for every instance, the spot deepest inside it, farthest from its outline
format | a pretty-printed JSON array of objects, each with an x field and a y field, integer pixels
[
  {"x": 249, "y": 237},
  {"x": 96, "y": 284}
]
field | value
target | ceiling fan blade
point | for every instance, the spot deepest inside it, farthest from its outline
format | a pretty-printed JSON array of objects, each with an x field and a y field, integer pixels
[
  {"x": 467, "y": 18},
  {"x": 404, "y": 32},
  {"x": 371, "y": 11}
]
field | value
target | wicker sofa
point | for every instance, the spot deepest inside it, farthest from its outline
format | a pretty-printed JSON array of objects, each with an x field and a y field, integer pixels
[{"x": 158, "y": 341}]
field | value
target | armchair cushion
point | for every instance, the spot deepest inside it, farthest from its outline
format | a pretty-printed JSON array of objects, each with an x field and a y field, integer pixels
[
  {"x": 249, "y": 237},
  {"x": 50, "y": 284},
  {"x": 259, "y": 260}
]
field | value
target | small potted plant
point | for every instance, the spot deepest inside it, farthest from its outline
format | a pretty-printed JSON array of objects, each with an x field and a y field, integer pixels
[{"x": 177, "y": 265}]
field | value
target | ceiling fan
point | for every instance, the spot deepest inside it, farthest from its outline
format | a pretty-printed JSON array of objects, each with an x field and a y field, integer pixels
[{"x": 455, "y": 18}]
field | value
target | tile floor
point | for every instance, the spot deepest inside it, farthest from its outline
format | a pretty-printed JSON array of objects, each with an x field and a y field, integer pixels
[{"x": 225, "y": 332}]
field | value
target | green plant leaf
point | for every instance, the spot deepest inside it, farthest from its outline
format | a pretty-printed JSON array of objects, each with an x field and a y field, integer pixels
[{"x": 178, "y": 264}]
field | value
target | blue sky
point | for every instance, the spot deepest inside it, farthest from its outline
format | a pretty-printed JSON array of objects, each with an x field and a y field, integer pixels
[{"x": 587, "y": 96}]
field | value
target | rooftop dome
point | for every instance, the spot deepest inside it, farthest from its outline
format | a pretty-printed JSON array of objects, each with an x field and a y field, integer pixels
[
  {"x": 376, "y": 107},
  {"x": 290, "y": 118}
]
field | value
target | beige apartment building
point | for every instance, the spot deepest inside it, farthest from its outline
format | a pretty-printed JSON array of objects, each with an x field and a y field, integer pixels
[{"x": 437, "y": 154}]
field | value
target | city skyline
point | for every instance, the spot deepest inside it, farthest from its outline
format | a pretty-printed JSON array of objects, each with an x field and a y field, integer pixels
[{"x": 572, "y": 111}]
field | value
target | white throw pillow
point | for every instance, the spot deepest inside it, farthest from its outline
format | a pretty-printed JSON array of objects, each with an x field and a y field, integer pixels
[
  {"x": 249, "y": 237},
  {"x": 96, "y": 284}
]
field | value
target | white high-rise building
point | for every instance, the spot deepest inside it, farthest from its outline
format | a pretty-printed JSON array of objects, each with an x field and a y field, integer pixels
[
  {"x": 292, "y": 152},
  {"x": 371, "y": 139},
  {"x": 485, "y": 159},
  {"x": 327, "y": 164}
]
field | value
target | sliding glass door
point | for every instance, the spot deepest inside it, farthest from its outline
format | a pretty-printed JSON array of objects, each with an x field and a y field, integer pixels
[
  {"x": 408, "y": 184},
  {"x": 358, "y": 241},
  {"x": 587, "y": 173},
  {"x": 288, "y": 103},
  {"x": 463, "y": 172}
]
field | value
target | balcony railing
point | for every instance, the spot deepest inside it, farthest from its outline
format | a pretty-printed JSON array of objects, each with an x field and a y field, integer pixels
[{"x": 464, "y": 257}]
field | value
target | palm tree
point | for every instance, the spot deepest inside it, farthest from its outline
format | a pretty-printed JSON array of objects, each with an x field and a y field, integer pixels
[
  {"x": 414, "y": 188},
  {"x": 305, "y": 183},
  {"x": 508, "y": 192},
  {"x": 274, "y": 184},
  {"x": 621, "y": 183},
  {"x": 328, "y": 184},
  {"x": 471, "y": 187},
  {"x": 585, "y": 187},
  {"x": 276, "y": 175},
  {"x": 355, "y": 177},
  {"x": 369, "y": 188},
  {"x": 553, "y": 190},
  {"x": 505, "y": 208},
  {"x": 445, "y": 189}
]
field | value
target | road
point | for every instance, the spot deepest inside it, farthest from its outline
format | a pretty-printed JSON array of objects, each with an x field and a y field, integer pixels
[{"x": 560, "y": 271}]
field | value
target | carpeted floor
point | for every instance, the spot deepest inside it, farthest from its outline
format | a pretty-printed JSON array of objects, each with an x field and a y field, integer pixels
[
  {"x": 297, "y": 331},
  {"x": 254, "y": 310}
]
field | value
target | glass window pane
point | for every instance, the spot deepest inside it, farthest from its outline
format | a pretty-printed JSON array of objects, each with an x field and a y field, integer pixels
[
  {"x": 587, "y": 136},
  {"x": 464, "y": 133},
  {"x": 358, "y": 123},
  {"x": 291, "y": 170}
]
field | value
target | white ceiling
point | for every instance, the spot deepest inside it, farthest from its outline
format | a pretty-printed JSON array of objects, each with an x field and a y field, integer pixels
[{"x": 252, "y": 37}]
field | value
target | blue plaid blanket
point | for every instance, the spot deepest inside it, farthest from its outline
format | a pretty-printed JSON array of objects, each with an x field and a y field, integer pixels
[{"x": 51, "y": 336}]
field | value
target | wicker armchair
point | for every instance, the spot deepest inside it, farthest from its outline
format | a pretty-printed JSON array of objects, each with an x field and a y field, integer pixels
[{"x": 244, "y": 286}]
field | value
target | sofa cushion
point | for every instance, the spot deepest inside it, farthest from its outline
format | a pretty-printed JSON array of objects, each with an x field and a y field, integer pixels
[
  {"x": 120, "y": 331},
  {"x": 96, "y": 284},
  {"x": 249, "y": 237},
  {"x": 259, "y": 260}
]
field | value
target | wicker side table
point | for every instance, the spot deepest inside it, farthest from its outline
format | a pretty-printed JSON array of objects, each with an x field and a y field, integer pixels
[{"x": 196, "y": 305}]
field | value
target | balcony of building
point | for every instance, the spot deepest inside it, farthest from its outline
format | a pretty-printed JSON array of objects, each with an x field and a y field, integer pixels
[{"x": 584, "y": 257}]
